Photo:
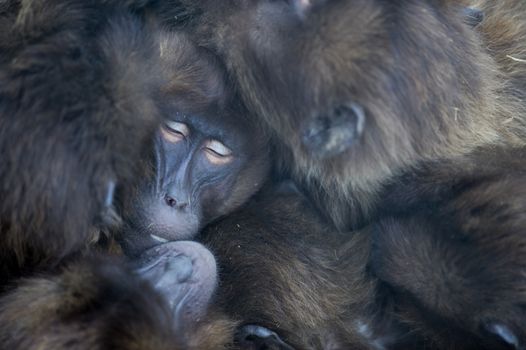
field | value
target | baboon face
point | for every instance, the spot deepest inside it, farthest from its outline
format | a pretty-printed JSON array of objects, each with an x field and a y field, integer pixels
[
  {"x": 355, "y": 87},
  {"x": 208, "y": 157},
  {"x": 206, "y": 166}
]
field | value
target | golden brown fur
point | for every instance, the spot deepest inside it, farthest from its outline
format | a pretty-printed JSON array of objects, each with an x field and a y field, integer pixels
[{"x": 437, "y": 173}]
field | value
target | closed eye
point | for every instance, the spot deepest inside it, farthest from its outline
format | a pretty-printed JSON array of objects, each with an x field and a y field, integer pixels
[
  {"x": 174, "y": 131},
  {"x": 217, "y": 153}
]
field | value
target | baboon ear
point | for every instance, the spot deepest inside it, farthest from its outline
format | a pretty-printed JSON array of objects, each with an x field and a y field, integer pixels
[
  {"x": 333, "y": 131},
  {"x": 472, "y": 16}
]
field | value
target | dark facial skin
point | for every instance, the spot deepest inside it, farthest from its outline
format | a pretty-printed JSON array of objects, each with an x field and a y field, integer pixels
[
  {"x": 197, "y": 167},
  {"x": 206, "y": 165},
  {"x": 208, "y": 158}
]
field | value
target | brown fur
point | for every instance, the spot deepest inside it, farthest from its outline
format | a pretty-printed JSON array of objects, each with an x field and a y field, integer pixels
[
  {"x": 456, "y": 262},
  {"x": 198, "y": 95},
  {"x": 447, "y": 274},
  {"x": 439, "y": 169},
  {"x": 79, "y": 82},
  {"x": 281, "y": 267},
  {"x": 430, "y": 85},
  {"x": 97, "y": 304}
]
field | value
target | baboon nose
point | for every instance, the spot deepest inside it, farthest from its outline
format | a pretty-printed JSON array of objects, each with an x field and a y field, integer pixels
[{"x": 173, "y": 203}]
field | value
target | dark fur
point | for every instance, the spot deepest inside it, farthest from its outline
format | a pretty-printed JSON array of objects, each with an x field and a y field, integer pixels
[
  {"x": 93, "y": 305},
  {"x": 79, "y": 82},
  {"x": 457, "y": 258},
  {"x": 438, "y": 170},
  {"x": 431, "y": 86},
  {"x": 76, "y": 85},
  {"x": 98, "y": 303},
  {"x": 197, "y": 96},
  {"x": 438, "y": 287},
  {"x": 281, "y": 267}
]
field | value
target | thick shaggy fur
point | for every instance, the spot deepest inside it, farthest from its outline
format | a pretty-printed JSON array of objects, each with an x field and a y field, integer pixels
[
  {"x": 438, "y": 172},
  {"x": 431, "y": 86},
  {"x": 422, "y": 284},
  {"x": 76, "y": 85},
  {"x": 456, "y": 259},
  {"x": 79, "y": 82},
  {"x": 98, "y": 303},
  {"x": 283, "y": 268}
]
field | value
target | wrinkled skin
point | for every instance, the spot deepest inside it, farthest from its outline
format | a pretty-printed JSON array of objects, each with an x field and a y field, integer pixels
[{"x": 208, "y": 158}]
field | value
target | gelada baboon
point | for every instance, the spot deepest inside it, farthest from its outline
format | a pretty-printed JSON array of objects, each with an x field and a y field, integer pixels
[
  {"x": 79, "y": 90},
  {"x": 98, "y": 302},
  {"x": 407, "y": 115},
  {"x": 208, "y": 158},
  {"x": 73, "y": 94},
  {"x": 291, "y": 280},
  {"x": 359, "y": 91},
  {"x": 456, "y": 260}
]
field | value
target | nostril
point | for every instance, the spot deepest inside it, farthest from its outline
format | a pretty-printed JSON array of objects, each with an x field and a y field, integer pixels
[{"x": 170, "y": 201}]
